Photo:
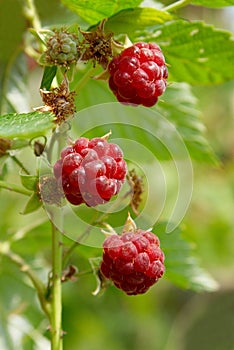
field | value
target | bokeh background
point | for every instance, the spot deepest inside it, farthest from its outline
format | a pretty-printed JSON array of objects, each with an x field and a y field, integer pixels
[{"x": 166, "y": 318}]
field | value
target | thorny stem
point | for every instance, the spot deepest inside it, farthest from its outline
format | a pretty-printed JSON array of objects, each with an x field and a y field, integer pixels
[
  {"x": 24, "y": 267},
  {"x": 14, "y": 188},
  {"x": 20, "y": 164},
  {"x": 176, "y": 5},
  {"x": 56, "y": 303}
]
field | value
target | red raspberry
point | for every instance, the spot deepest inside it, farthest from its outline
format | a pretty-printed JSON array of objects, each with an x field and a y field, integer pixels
[
  {"x": 133, "y": 261},
  {"x": 138, "y": 75},
  {"x": 90, "y": 171}
]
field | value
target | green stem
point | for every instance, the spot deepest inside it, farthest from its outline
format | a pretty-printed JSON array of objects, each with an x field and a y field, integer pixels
[
  {"x": 75, "y": 244},
  {"x": 20, "y": 164},
  {"x": 176, "y": 5},
  {"x": 30, "y": 13},
  {"x": 81, "y": 83},
  {"x": 24, "y": 267},
  {"x": 14, "y": 188},
  {"x": 56, "y": 304},
  {"x": 69, "y": 252}
]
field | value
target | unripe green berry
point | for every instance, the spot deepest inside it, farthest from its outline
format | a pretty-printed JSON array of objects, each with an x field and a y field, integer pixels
[{"x": 62, "y": 49}]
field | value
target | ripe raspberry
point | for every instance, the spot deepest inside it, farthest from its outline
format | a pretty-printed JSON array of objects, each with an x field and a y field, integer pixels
[
  {"x": 90, "y": 171},
  {"x": 133, "y": 261},
  {"x": 138, "y": 74}
]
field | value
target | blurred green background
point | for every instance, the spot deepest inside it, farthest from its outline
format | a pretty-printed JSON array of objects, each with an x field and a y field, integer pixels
[{"x": 166, "y": 318}]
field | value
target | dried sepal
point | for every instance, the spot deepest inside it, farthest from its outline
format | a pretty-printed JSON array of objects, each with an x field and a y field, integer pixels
[
  {"x": 5, "y": 145},
  {"x": 49, "y": 191},
  {"x": 59, "y": 101},
  {"x": 129, "y": 225},
  {"x": 137, "y": 188},
  {"x": 97, "y": 45}
]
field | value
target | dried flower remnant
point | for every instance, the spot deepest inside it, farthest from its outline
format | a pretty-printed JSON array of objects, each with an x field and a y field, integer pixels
[
  {"x": 49, "y": 191},
  {"x": 59, "y": 101},
  {"x": 137, "y": 187},
  {"x": 5, "y": 145},
  {"x": 97, "y": 46}
]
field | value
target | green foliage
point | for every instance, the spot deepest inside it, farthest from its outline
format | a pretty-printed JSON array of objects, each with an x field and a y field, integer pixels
[
  {"x": 48, "y": 76},
  {"x": 213, "y": 4},
  {"x": 182, "y": 267},
  {"x": 132, "y": 20},
  {"x": 33, "y": 204},
  {"x": 25, "y": 125},
  {"x": 29, "y": 181},
  {"x": 180, "y": 106},
  {"x": 197, "y": 53},
  {"x": 94, "y": 12}
]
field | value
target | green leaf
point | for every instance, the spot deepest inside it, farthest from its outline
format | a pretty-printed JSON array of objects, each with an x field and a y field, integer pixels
[
  {"x": 213, "y": 3},
  {"x": 179, "y": 105},
  {"x": 130, "y": 20},
  {"x": 93, "y": 12},
  {"x": 182, "y": 266},
  {"x": 196, "y": 53},
  {"x": 33, "y": 204},
  {"x": 29, "y": 181},
  {"x": 48, "y": 76},
  {"x": 26, "y": 125}
]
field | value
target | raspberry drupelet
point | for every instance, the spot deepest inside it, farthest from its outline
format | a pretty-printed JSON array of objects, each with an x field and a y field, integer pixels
[
  {"x": 133, "y": 261},
  {"x": 138, "y": 75},
  {"x": 90, "y": 171}
]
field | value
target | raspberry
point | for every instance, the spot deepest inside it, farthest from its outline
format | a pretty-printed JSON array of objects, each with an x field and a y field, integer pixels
[
  {"x": 90, "y": 171},
  {"x": 62, "y": 48},
  {"x": 133, "y": 261},
  {"x": 138, "y": 75}
]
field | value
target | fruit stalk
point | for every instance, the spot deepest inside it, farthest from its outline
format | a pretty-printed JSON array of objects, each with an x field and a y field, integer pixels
[
  {"x": 85, "y": 78},
  {"x": 56, "y": 303},
  {"x": 14, "y": 188}
]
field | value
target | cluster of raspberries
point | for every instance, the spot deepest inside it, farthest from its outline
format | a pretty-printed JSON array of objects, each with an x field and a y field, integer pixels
[
  {"x": 90, "y": 171},
  {"x": 93, "y": 171},
  {"x": 133, "y": 261},
  {"x": 138, "y": 75}
]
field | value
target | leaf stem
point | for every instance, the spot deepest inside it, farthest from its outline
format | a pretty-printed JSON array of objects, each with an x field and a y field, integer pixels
[
  {"x": 176, "y": 5},
  {"x": 24, "y": 267},
  {"x": 56, "y": 304},
  {"x": 14, "y": 188},
  {"x": 20, "y": 164}
]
